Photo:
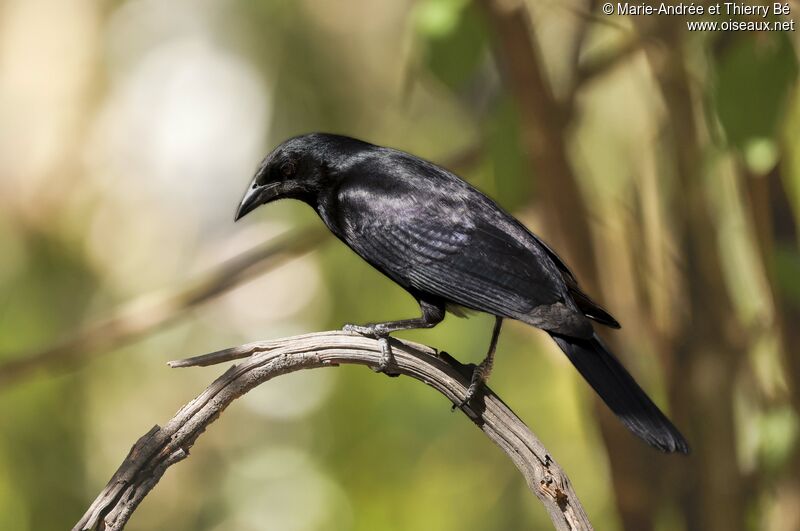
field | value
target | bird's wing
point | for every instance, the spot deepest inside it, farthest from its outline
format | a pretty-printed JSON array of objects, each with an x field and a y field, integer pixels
[
  {"x": 590, "y": 308},
  {"x": 452, "y": 243}
]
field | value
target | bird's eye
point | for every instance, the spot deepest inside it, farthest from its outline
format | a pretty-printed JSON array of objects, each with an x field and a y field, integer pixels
[{"x": 287, "y": 168}]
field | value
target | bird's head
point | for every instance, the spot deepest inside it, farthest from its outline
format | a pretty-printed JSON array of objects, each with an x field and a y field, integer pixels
[{"x": 295, "y": 169}]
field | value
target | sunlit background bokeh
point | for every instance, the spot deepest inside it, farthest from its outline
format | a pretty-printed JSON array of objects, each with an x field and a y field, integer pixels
[{"x": 129, "y": 130}]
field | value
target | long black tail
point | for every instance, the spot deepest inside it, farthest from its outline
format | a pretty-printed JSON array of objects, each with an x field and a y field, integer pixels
[{"x": 621, "y": 393}]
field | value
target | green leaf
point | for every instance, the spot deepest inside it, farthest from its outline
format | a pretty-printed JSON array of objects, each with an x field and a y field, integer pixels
[
  {"x": 754, "y": 74},
  {"x": 452, "y": 38},
  {"x": 787, "y": 270}
]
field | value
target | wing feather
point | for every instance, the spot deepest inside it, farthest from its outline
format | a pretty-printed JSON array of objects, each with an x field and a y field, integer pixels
[
  {"x": 435, "y": 235},
  {"x": 458, "y": 258}
]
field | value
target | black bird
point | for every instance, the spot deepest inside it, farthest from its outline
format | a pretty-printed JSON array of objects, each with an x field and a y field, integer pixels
[{"x": 450, "y": 246}]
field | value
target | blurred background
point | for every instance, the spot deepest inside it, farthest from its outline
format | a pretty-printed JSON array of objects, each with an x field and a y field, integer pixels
[{"x": 662, "y": 164}]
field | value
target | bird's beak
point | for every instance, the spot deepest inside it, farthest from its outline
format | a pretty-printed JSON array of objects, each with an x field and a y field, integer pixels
[{"x": 254, "y": 197}]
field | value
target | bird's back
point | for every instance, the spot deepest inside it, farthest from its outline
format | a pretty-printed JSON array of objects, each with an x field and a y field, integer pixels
[{"x": 439, "y": 237}]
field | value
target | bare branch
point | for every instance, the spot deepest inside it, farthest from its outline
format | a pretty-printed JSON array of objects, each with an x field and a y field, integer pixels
[
  {"x": 160, "y": 448},
  {"x": 152, "y": 311}
]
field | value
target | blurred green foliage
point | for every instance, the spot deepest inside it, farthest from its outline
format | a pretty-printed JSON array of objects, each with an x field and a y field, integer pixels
[
  {"x": 453, "y": 38},
  {"x": 43, "y": 422},
  {"x": 755, "y": 76},
  {"x": 787, "y": 264}
]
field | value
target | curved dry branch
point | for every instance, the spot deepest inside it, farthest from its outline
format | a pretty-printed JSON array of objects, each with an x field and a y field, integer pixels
[{"x": 160, "y": 448}]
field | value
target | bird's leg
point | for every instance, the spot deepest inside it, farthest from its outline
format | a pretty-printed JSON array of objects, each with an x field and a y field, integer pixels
[
  {"x": 432, "y": 314},
  {"x": 481, "y": 373}
]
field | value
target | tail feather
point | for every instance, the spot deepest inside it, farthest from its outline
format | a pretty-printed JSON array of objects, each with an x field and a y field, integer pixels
[
  {"x": 621, "y": 393},
  {"x": 591, "y": 309}
]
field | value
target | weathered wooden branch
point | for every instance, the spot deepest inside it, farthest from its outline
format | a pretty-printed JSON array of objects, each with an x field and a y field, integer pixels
[{"x": 161, "y": 448}]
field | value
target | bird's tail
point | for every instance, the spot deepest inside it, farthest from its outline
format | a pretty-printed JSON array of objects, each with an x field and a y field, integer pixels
[{"x": 621, "y": 393}]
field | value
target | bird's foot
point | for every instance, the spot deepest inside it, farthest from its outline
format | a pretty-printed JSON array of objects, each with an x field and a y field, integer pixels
[
  {"x": 479, "y": 376},
  {"x": 373, "y": 331},
  {"x": 387, "y": 365}
]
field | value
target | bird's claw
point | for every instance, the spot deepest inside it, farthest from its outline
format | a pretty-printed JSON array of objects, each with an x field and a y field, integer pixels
[
  {"x": 387, "y": 363},
  {"x": 478, "y": 378},
  {"x": 467, "y": 399}
]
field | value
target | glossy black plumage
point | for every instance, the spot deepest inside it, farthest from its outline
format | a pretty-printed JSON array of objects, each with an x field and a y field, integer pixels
[{"x": 448, "y": 244}]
